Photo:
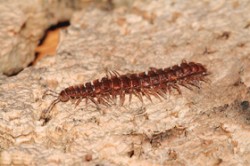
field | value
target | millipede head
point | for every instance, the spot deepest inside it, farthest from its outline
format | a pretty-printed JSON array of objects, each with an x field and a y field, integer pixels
[{"x": 63, "y": 96}]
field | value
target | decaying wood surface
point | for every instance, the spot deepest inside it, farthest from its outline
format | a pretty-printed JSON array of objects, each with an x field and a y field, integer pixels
[{"x": 207, "y": 126}]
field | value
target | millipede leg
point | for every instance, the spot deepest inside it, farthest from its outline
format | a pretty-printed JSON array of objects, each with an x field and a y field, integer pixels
[
  {"x": 153, "y": 69},
  {"x": 194, "y": 83},
  {"x": 122, "y": 97},
  {"x": 137, "y": 94},
  {"x": 86, "y": 101},
  {"x": 130, "y": 96},
  {"x": 78, "y": 102},
  {"x": 73, "y": 101},
  {"x": 110, "y": 74},
  {"x": 116, "y": 73},
  {"x": 161, "y": 93},
  {"x": 206, "y": 80},
  {"x": 145, "y": 92},
  {"x": 94, "y": 101},
  {"x": 104, "y": 102},
  {"x": 107, "y": 97},
  {"x": 113, "y": 94},
  {"x": 99, "y": 99},
  {"x": 182, "y": 83},
  {"x": 169, "y": 88},
  {"x": 163, "y": 89},
  {"x": 102, "y": 99},
  {"x": 177, "y": 88},
  {"x": 154, "y": 94}
]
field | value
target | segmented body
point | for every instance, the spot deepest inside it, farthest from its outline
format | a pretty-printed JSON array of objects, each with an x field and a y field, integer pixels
[{"x": 155, "y": 82}]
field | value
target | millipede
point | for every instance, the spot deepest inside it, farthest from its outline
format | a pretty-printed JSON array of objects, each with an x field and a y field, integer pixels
[{"x": 155, "y": 82}]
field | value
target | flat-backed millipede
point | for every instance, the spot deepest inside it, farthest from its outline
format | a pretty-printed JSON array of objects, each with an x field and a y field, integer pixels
[{"x": 155, "y": 82}]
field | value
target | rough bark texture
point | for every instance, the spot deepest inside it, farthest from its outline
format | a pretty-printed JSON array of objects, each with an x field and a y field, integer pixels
[
  {"x": 207, "y": 126},
  {"x": 23, "y": 23}
]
